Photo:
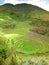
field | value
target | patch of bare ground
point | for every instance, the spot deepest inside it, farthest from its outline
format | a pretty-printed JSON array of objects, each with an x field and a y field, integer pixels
[{"x": 37, "y": 36}]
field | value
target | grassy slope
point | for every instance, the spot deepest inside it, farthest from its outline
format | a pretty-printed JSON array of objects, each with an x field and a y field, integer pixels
[{"x": 21, "y": 15}]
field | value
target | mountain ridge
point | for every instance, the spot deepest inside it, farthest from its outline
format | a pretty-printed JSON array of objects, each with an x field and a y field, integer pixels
[
  {"x": 9, "y": 4},
  {"x": 25, "y": 10}
]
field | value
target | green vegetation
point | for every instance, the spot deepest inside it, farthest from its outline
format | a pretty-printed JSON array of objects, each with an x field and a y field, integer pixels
[{"x": 24, "y": 35}]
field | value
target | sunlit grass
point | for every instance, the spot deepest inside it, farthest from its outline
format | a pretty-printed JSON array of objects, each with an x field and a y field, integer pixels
[{"x": 12, "y": 35}]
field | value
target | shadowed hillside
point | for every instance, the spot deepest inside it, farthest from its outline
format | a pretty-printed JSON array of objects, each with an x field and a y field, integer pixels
[{"x": 24, "y": 11}]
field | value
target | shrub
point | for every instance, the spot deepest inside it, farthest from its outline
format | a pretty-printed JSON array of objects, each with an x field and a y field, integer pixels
[
  {"x": 3, "y": 47},
  {"x": 8, "y": 24},
  {"x": 40, "y": 30},
  {"x": 39, "y": 23},
  {"x": 2, "y": 61}
]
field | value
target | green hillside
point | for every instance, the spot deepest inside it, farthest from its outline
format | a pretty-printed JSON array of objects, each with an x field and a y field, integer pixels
[{"x": 24, "y": 34}]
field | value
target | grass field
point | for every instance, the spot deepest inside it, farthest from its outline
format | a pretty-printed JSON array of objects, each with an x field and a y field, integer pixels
[
  {"x": 24, "y": 35},
  {"x": 25, "y": 45}
]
